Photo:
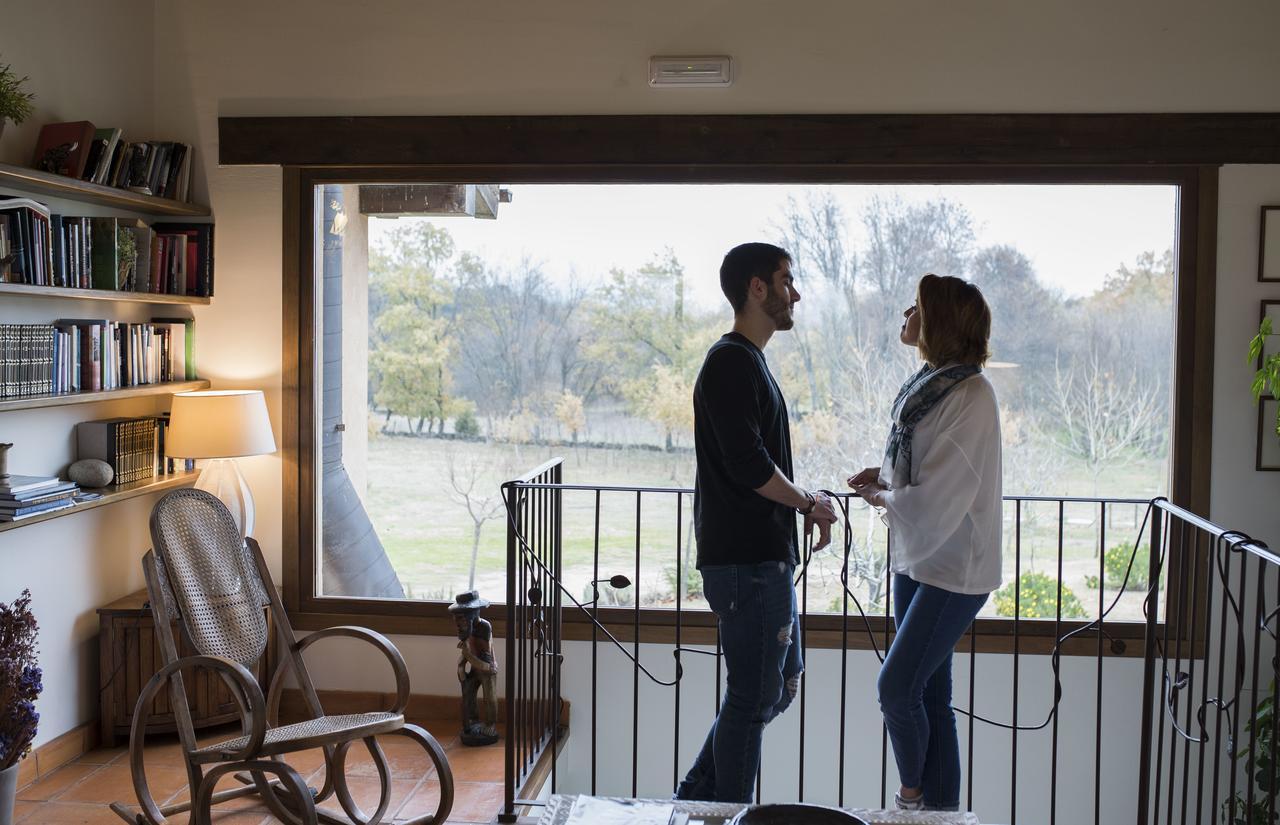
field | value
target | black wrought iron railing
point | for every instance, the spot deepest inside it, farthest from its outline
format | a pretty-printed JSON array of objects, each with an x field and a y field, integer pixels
[{"x": 1165, "y": 715}]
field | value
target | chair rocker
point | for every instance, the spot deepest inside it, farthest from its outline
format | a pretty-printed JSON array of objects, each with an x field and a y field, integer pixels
[{"x": 202, "y": 576}]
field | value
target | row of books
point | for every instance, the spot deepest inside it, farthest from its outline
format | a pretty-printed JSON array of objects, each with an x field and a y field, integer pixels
[
  {"x": 129, "y": 445},
  {"x": 77, "y": 355},
  {"x": 126, "y": 255},
  {"x": 27, "y": 496},
  {"x": 80, "y": 150}
]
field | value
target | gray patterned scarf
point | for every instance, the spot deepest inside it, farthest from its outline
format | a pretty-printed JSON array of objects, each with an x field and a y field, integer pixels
[{"x": 918, "y": 395}]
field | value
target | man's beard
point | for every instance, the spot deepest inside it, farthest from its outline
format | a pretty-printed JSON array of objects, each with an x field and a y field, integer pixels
[{"x": 779, "y": 309}]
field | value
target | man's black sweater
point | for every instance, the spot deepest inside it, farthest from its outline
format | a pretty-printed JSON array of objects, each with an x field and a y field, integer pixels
[{"x": 740, "y": 433}]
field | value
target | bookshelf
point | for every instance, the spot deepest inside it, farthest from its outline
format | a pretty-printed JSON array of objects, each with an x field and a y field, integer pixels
[
  {"x": 101, "y": 295},
  {"x": 63, "y": 399},
  {"x": 110, "y": 495},
  {"x": 60, "y": 186},
  {"x": 41, "y": 185}
]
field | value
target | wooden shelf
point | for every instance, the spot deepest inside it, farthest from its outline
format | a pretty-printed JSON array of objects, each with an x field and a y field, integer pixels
[
  {"x": 110, "y": 495},
  {"x": 60, "y": 186},
  {"x": 100, "y": 295},
  {"x": 32, "y": 402}
]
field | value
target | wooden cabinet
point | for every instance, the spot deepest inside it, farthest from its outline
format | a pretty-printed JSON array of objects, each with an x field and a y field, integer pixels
[{"x": 129, "y": 655}]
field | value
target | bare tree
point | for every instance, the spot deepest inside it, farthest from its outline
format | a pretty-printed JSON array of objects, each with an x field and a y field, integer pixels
[
  {"x": 482, "y": 502},
  {"x": 1104, "y": 411}
]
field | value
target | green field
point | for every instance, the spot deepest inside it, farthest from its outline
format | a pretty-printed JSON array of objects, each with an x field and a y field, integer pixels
[{"x": 427, "y": 531}]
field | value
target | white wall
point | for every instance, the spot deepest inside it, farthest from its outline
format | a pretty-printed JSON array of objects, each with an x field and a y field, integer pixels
[
  {"x": 1241, "y": 497},
  {"x": 173, "y": 75},
  {"x": 87, "y": 61}
]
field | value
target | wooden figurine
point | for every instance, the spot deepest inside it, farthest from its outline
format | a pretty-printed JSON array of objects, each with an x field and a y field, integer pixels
[{"x": 477, "y": 670}]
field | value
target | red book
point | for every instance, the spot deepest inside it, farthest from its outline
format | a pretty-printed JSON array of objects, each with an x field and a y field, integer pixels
[{"x": 63, "y": 148}]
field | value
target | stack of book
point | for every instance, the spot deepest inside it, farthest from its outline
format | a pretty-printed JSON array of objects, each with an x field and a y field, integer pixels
[
  {"x": 80, "y": 150},
  {"x": 92, "y": 355},
  {"x": 39, "y": 248},
  {"x": 129, "y": 445},
  {"x": 26, "y": 496}
]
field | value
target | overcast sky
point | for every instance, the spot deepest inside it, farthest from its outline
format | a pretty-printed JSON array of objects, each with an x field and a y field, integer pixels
[{"x": 1074, "y": 235}]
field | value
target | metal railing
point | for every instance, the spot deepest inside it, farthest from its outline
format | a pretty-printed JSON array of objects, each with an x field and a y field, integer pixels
[{"x": 1189, "y": 559}]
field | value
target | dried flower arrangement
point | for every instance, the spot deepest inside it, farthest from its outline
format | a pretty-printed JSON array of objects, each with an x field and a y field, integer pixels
[{"x": 19, "y": 679}]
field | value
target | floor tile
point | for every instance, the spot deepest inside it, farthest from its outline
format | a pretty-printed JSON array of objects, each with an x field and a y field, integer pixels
[
  {"x": 102, "y": 756},
  {"x": 480, "y": 764},
  {"x": 405, "y": 757},
  {"x": 366, "y": 792},
  {"x": 21, "y": 810},
  {"x": 476, "y": 801},
  {"x": 114, "y": 783},
  {"x": 56, "y": 782},
  {"x": 62, "y": 813}
]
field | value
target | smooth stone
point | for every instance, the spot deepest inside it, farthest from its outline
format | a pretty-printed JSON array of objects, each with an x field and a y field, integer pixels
[{"x": 91, "y": 472}]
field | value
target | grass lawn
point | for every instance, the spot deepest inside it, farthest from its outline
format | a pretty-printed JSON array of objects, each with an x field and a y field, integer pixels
[{"x": 428, "y": 534}]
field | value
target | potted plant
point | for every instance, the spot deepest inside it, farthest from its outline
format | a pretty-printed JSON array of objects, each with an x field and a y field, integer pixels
[
  {"x": 1267, "y": 378},
  {"x": 15, "y": 104},
  {"x": 19, "y": 687}
]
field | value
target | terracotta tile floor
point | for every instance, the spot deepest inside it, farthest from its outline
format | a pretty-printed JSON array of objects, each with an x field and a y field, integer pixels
[{"x": 78, "y": 793}]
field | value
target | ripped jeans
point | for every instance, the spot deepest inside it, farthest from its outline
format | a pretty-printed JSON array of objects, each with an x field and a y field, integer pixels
[{"x": 760, "y": 637}]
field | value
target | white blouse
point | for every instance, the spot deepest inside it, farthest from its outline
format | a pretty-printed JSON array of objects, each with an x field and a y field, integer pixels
[{"x": 946, "y": 527}]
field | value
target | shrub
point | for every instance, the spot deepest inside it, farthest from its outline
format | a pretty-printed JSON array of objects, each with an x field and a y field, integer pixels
[
  {"x": 1038, "y": 599},
  {"x": 466, "y": 425},
  {"x": 692, "y": 581},
  {"x": 1117, "y": 562}
]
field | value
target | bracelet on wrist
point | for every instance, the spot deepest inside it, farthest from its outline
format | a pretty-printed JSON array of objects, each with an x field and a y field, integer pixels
[{"x": 813, "y": 502}]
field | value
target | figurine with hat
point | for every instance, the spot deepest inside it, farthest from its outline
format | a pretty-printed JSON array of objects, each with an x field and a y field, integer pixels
[{"x": 477, "y": 670}]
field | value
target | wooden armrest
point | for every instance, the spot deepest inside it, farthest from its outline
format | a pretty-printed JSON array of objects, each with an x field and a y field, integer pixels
[{"x": 379, "y": 641}]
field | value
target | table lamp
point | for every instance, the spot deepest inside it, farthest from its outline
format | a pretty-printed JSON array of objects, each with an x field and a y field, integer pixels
[{"x": 222, "y": 425}]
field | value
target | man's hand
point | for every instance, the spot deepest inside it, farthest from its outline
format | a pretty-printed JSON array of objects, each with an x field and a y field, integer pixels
[{"x": 823, "y": 515}]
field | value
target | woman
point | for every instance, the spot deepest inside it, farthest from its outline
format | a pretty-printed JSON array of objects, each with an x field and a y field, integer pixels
[{"x": 940, "y": 487}]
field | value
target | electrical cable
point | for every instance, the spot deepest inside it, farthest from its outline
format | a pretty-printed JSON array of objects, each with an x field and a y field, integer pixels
[{"x": 1172, "y": 686}]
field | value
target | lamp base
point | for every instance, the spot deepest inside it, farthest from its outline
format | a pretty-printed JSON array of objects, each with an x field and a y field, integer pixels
[{"x": 221, "y": 477}]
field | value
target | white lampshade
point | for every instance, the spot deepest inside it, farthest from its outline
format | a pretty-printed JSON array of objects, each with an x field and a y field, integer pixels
[{"x": 219, "y": 424}]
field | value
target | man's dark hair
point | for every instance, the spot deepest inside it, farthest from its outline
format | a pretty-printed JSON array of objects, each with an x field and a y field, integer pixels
[{"x": 747, "y": 261}]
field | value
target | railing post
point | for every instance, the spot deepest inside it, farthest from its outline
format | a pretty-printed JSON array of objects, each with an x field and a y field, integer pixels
[
  {"x": 508, "y": 814},
  {"x": 1149, "y": 666}
]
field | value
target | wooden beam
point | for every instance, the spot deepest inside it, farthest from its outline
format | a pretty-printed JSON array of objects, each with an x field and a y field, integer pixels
[{"x": 780, "y": 140}]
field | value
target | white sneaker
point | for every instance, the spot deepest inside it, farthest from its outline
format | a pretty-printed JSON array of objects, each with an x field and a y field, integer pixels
[{"x": 915, "y": 803}]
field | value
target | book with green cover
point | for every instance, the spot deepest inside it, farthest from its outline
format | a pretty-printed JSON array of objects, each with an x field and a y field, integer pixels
[{"x": 104, "y": 255}]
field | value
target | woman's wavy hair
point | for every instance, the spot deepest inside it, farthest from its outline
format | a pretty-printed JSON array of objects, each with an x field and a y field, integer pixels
[{"x": 955, "y": 321}]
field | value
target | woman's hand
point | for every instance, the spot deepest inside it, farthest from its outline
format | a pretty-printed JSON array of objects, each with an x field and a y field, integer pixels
[
  {"x": 863, "y": 477},
  {"x": 872, "y": 492}
]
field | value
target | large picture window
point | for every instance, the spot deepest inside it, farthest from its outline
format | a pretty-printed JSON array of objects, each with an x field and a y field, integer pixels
[{"x": 466, "y": 333}]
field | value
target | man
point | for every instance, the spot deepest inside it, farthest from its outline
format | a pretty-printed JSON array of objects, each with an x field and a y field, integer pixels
[{"x": 744, "y": 517}]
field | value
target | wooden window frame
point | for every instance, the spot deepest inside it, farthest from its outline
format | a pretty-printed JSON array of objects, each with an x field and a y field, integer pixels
[{"x": 1180, "y": 150}]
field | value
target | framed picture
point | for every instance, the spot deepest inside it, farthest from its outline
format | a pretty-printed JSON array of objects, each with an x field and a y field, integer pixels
[
  {"x": 1269, "y": 245},
  {"x": 1270, "y": 309},
  {"x": 1268, "y": 440}
]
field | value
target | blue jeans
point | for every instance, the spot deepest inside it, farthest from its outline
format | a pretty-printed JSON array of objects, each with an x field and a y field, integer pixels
[
  {"x": 760, "y": 637},
  {"x": 915, "y": 687}
]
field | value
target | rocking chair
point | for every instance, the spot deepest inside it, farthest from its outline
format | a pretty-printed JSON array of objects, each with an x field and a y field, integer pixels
[{"x": 201, "y": 575}]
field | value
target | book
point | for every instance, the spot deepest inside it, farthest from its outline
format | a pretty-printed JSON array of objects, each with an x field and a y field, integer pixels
[
  {"x": 39, "y": 495},
  {"x": 63, "y": 148},
  {"x": 108, "y": 139},
  {"x": 69, "y": 502},
  {"x": 31, "y": 509},
  {"x": 20, "y": 484},
  {"x": 195, "y": 263},
  {"x": 182, "y": 347},
  {"x": 105, "y": 251}
]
